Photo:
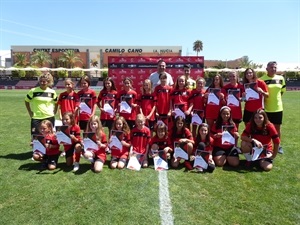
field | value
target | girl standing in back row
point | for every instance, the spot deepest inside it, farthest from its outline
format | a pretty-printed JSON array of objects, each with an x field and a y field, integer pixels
[
  {"x": 88, "y": 100},
  {"x": 107, "y": 98}
]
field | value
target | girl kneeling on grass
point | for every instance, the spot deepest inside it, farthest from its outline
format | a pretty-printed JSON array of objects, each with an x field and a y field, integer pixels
[
  {"x": 119, "y": 156},
  {"x": 182, "y": 135},
  {"x": 160, "y": 144},
  {"x": 140, "y": 138},
  {"x": 225, "y": 152},
  {"x": 260, "y": 132},
  {"x": 73, "y": 150},
  {"x": 49, "y": 160},
  {"x": 96, "y": 156},
  {"x": 205, "y": 143}
]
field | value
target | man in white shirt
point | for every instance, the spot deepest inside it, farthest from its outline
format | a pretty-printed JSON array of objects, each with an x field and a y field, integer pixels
[{"x": 154, "y": 77}]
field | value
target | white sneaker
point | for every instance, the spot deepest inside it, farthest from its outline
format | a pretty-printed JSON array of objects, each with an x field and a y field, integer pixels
[{"x": 76, "y": 166}]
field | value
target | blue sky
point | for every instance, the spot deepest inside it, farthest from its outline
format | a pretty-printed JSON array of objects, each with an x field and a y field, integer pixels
[{"x": 263, "y": 30}]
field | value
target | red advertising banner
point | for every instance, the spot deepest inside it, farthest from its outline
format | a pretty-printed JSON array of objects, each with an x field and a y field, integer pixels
[{"x": 139, "y": 68}]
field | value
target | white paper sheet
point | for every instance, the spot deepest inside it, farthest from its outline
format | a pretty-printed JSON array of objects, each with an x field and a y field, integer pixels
[
  {"x": 200, "y": 162},
  {"x": 124, "y": 107},
  {"x": 160, "y": 163}
]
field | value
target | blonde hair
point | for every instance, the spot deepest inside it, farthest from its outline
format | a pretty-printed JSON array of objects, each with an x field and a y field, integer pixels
[
  {"x": 48, "y": 124},
  {"x": 48, "y": 76},
  {"x": 69, "y": 80},
  {"x": 147, "y": 81},
  {"x": 98, "y": 130},
  {"x": 140, "y": 117}
]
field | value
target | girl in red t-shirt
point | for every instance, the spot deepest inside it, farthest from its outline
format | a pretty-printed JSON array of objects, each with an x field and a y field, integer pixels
[
  {"x": 73, "y": 150},
  {"x": 182, "y": 136},
  {"x": 49, "y": 141},
  {"x": 162, "y": 93},
  {"x": 225, "y": 151},
  {"x": 233, "y": 95},
  {"x": 147, "y": 103},
  {"x": 119, "y": 156},
  {"x": 251, "y": 105},
  {"x": 197, "y": 101},
  {"x": 204, "y": 142},
  {"x": 261, "y": 133},
  {"x": 107, "y": 98},
  {"x": 68, "y": 101},
  {"x": 212, "y": 109},
  {"x": 160, "y": 144},
  {"x": 180, "y": 99},
  {"x": 88, "y": 100},
  {"x": 127, "y": 102},
  {"x": 96, "y": 156}
]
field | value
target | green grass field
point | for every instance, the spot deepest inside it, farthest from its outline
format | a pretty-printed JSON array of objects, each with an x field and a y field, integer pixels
[{"x": 61, "y": 196}]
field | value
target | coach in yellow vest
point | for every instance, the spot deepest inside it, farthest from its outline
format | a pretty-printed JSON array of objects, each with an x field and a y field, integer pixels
[{"x": 273, "y": 103}]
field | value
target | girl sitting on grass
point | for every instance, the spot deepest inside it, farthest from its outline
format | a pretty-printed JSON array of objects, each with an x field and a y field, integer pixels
[
  {"x": 226, "y": 151},
  {"x": 73, "y": 150},
  {"x": 119, "y": 156},
  {"x": 50, "y": 158},
  {"x": 96, "y": 156}
]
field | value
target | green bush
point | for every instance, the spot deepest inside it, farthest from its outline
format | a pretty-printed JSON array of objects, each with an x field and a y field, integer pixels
[
  {"x": 104, "y": 74},
  {"x": 62, "y": 74},
  {"x": 261, "y": 73},
  {"x": 77, "y": 73}
]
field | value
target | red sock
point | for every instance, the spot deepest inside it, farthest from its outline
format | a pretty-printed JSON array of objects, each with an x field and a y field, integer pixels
[{"x": 77, "y": 156}]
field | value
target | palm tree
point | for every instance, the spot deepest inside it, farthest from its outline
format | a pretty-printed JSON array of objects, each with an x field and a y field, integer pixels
[
  {"x": 244, "y": 62},
  {"x": 70, "y": 58},
  {"x": 21, "y": 60},
  {"x": 94, "y": 62},
  {"x": 41, "y": 58},
  {"x": 198, "y": 46}
]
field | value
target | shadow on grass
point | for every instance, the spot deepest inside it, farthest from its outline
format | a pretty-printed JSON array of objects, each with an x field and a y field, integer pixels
[
  {"x": 18, "y": 156},
  {"x": 61, "y": 167},
  {"x": 242, "y": 168}
]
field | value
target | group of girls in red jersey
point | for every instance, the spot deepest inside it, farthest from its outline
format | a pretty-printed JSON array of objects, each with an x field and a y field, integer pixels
[{"x": 159, "y": 122}]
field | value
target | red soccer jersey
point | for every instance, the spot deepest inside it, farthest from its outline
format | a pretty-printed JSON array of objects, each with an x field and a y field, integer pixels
[
  {"x": 130, "y": 97},
  {"x": 184, "y": 133},
  {"x": 109, "y": 98},
  {"x": 68, "y": 102},
  {"x": 197, "y": 99},
  {"x": 208, "y": 147},
  {"x": 161, "y": 142},
  {"x": 265, "y": 136},
  {"x": 147, "y": 102},
  {"x": 218, "y": 140},
  {"x": 74, "y": 130},
  {"x": 123, "y": 153},
  {"x": 212, "y": 110},
  {"x": 90, "y": 98},
  {"x": 236, "y": 111},
  {"x": 140, "y": 139},
  {"x": 179, "y": 97},
  {"x": 253, "y": 105},
  {"x": 163, "y": 98},
  {"x": 52, "y": 140}
]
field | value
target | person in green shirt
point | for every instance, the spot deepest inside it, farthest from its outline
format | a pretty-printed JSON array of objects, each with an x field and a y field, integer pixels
[
  {"x": 41, "y": 102},
  {"x": 273, "y": 104}
]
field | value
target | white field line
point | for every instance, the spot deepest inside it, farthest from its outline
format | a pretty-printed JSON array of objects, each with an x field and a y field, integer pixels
[{"x": 164, "y": 200}]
